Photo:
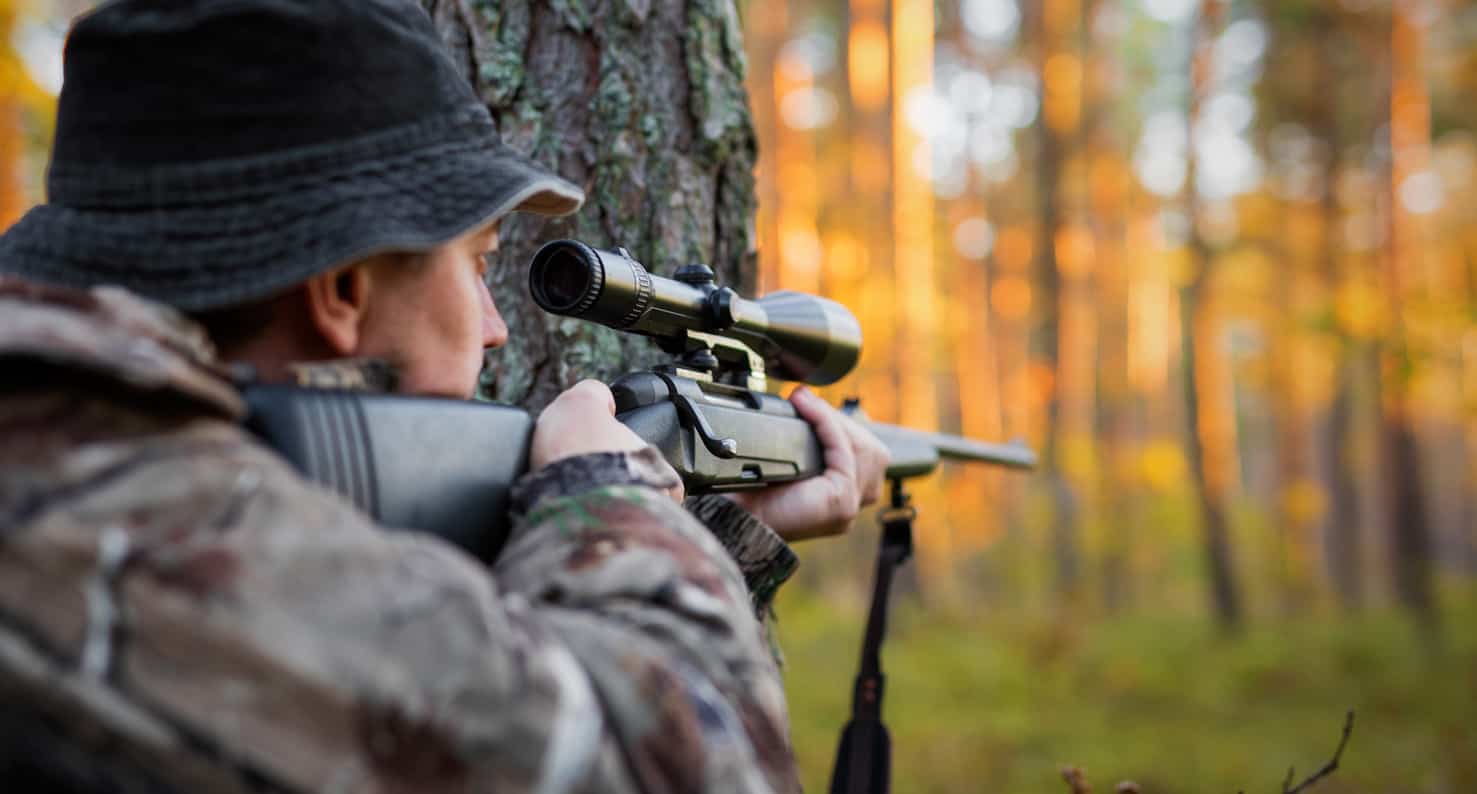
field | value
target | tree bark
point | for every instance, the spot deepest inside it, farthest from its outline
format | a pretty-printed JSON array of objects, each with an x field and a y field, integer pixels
[{"x": 641, "y": 103}]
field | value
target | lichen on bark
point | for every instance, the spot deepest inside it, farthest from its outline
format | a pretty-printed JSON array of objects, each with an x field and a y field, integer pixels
[{"x": 641, "y": 103}]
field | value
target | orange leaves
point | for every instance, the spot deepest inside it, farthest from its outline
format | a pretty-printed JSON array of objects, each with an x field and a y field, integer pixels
[
  {"x": 1075, "y": 250},
  {"x": 1010, "y": 297},
  {"x": 1360, "y": 309},
  {"x": 867, "y": 64},
  {"x": 1162, "y": 465},
  {"x": 1013, "y": 249},
  {"x": 1063, "y": 84}
]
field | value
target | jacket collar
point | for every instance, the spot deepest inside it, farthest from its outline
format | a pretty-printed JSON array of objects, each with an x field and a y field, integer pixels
[
  {"x": 143, "y": 347},
  {"x": 107, "y": 333}
]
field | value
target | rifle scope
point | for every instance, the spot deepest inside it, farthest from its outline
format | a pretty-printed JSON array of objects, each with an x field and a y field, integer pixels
[{"x": 801, "y": 337}]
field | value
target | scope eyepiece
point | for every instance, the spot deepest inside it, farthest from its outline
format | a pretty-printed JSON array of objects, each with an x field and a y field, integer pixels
[
  {"x": 572, "y": 279},
  {"x": 801, "y": 337},
  {"x": 567, "y": 285}
]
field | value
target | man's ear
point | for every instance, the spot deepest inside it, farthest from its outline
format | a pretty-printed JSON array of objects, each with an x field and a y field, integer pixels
[{"x": 337, "y": 303}]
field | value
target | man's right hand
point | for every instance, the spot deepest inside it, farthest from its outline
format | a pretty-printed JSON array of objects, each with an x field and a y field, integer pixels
[{"x": 578, "y": 422}]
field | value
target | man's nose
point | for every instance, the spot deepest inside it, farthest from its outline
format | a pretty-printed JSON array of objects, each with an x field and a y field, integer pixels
[{"x": 494, "y": 329}]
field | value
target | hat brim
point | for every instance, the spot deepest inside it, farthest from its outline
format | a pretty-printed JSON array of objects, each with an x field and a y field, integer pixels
[{"x": 212, "y": 253}]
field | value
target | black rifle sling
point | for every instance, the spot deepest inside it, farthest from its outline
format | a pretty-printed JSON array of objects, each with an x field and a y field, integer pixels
[{"x": 864, "y": 759}]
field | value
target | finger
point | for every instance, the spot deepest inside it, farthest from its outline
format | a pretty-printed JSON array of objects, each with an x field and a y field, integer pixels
[
  {"x": 872, "y": 459},
  {"x": 595, "y": 392},
  {"x": 843, "y": 498},
  {"x": 829, "y": 430}
]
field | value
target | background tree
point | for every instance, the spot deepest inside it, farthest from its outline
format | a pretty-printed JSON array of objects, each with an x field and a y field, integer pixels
[
  {"x": 1409, "y": 144},
  {"x": 1197, "y": 341}
]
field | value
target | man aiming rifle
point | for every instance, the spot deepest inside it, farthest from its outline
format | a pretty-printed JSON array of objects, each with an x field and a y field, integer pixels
[{"x": 315, "y": 188}]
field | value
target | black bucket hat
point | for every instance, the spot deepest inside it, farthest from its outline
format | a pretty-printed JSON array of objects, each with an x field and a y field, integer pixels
[{"x": 213, "y": 152}]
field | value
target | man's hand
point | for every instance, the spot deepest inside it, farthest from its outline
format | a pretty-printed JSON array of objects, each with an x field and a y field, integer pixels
[
  {"x": 579, "y": 422},
  {"x": 856, "y": 463}
]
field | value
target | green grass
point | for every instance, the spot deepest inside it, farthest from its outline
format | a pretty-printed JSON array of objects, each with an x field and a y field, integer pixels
[{"x": 997, "y": 701}]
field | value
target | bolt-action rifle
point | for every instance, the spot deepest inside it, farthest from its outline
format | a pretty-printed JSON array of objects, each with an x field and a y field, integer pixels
[{"x": 423, "y": 463}]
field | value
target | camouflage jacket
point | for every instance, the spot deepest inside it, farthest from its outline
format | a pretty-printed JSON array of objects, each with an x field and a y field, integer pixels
[{"x": 177, "y": 601}]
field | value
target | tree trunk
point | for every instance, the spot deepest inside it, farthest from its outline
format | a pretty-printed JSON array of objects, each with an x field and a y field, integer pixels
[
  {"x": 641, "y": 103},
  {"x": 1209, "y": 488},
  {"x": 1409, "y": 525},
  {"x": 1341, "y": 532},
  {"x": 1334, "y": 430},
  {"x": 1047, "y": 344}
]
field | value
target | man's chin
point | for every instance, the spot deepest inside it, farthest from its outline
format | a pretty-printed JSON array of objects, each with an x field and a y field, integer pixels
[
  {"x": 452, "y": 391},
  {"x": 450, "y": 394}
]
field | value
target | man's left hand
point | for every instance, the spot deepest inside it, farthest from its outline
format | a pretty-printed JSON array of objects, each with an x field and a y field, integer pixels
[{"x": 828, "y": 503}]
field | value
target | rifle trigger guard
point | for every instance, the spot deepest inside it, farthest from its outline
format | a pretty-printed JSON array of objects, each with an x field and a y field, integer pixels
[{"x": 693, "y": 416}]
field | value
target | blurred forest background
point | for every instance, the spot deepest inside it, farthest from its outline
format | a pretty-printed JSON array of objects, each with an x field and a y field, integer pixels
[{"x": 1217, "y": 261}]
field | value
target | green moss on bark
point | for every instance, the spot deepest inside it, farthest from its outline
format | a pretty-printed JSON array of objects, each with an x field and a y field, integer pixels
[{"x": 641, "y": 102}]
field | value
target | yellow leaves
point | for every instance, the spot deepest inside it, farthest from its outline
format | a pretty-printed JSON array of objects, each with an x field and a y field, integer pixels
[
  {"x": 1109, "y": 179},
  {"x": 846, "y": 258},
  {"x": 1360, "y": 309},
  {"x": 1060, "y": 16},
  {"x": 1075, "y": 250},
  {"x": 800, "y": 255},
  {"x": 1162, "y": 465},
  {"x": 18, "y": 94},
  {"x": 1010, "y": 297},
  {"x": 1079, "y": 457},
  {"x": 1259, "y": 215},
  {"x": 16, "y": 84},
  {"x": 1303, "y": 235},
  {"x": 867, "y": 64},
  {"x": 1437, "y": 393},
  {"x": 1152, "y": 315},
  {"x": 1303, "y": 502},
  {"x": 1062, "y": 104},
  {"x": 1042, "y": 379},
  {"x": 1469, "y": 372},
  {"x": 1013, "y": 249},
  {"x": 869, "y": 167},
  {"x": 1178, "y": 265},
  {"x": 1246, "y": 274}
]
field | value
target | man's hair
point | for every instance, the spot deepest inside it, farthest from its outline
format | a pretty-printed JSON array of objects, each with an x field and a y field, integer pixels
[{"x": 231, "y": 328}]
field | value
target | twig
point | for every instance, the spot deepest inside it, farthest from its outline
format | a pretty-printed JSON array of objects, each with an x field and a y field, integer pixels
[
  {"x": 1078, "y": 781},
  {"x": 1328, "y": 768}
]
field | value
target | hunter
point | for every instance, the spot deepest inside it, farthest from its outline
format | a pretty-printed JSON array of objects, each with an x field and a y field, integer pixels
[{"x": 307, "y": 190}]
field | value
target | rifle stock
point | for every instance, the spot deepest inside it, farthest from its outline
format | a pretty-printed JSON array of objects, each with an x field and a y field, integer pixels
[{"x": 447, "y": 467}]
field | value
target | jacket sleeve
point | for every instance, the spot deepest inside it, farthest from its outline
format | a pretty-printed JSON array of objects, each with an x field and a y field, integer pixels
[
  {"x": 764, "y": 558},
  {"x": 613, "y": 647}
]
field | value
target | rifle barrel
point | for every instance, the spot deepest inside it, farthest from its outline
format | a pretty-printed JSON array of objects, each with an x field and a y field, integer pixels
[
  {"x": 1013, "y": 454},
  {"x": 917, "y": 452}
]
